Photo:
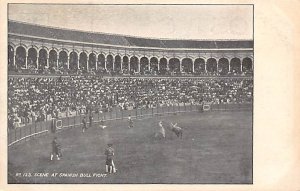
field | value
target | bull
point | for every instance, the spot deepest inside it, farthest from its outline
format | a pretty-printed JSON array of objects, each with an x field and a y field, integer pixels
[{"x": 177, "y": 130}]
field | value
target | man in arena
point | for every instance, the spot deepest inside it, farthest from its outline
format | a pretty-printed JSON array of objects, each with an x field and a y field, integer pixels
[
  {"x": 161, "y": 132},
  {"x": 109, "y": 165},
  {"x": 130, "y": 122},
  {"x": 56, "y": 149},
  {"x": 91, "y": 119},
  {"x": 84, "y": 127}
]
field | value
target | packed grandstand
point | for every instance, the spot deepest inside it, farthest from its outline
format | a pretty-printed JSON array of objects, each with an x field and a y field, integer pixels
[{"x": 55, "y": 70}]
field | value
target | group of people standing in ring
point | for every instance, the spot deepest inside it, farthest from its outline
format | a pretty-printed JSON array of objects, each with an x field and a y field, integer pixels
[{"x": 109, "y": 151}]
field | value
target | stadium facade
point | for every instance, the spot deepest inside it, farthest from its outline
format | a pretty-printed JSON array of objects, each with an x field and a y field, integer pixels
[
  {"x": 34, "y": 47},
  {"x": 173, "y": 81}
]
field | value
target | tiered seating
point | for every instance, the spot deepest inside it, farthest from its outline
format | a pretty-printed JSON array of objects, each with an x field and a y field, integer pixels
[{"x": 34, "y": 98}]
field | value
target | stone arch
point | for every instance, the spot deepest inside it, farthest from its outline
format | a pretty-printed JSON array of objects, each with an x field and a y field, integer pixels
[
  {"x": 21, "y": 57},
  {"x": 247, "y": 64},
  {"x": 62, "y": 60},
  {"x": 134, "y": 62},
  {"x": 32, "y": 58},
  {"x": 33, "y": 46},
  {"x": 118, "y": 62},
  {"x": 187, "y": 65},
  {"x": 199, "y": 65},
  {"x": 223, "y": 66},
  {"x": 92, "y": 61},
  {"x": 235, "y": 65},
  {"x": 43, "y": 47},
  {"x": 110, "y": 53},
  {"x": 163, "y": 66},
  {"x": 109, "y": 62},
  {"x": 52, "y": 59},
  {"x": 101, "y": 61},
  {"x": 73, "y": 61},
  {"x": 174, "y": 65},
  {"x": 154, "y": 65},
  {"x": 74, "y": 50},
  {"x": 83, "y": 61},
  {"x": 144, "y": 65},
  {"x": 24, "y": 46},
  {"x": 12, "y": 45},
  {"x": 43, "y": 57},
  {"x": 211, "y": 65},
  {"x": 95, "y": 52},
  {"x": 65, "y": 50},
  {"x": 125, "y": 63},
  {"x": 53, "y": 48}
]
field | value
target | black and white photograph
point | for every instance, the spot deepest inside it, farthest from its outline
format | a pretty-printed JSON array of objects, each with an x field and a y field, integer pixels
[{"x": 130, "y": 93}]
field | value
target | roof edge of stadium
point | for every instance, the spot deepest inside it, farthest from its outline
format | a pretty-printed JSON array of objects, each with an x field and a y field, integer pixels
[
  {"x": 133, "y": 47},
  {"x": 123, "y": 35}
]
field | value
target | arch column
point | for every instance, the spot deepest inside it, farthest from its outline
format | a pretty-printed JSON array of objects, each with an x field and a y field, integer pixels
[
  {"x": 87, "y": 63},
  {"x": 113, "y": 64},
  {"x": 180, "y": 65},
  {"x": 122, "y": 65},
  {"x": 68, "y": 60},
  {"x": 26, "y": 59},
  {"x": 193, "y": 65},
  {"x": 229, "y": 67},
  {"x": 47, "y": 60},
  {"x": 158, "y": 68},
  {"x": 241, "y": 65},
  {"x": 168, "y": 65},
  {"x": 139, "y": 66},
  {"x": 15, "y": 54},
  {"x": 205, "y": 66},
  {"x": 78, "y": 67},
  {"x": 57, "y": 56},
  {"x": 37, "y": 62}
]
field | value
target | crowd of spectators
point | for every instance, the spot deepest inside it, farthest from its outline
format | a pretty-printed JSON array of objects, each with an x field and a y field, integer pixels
[
  {"x": 32, "y": 99},
  {"x": 52, "y": 70}
]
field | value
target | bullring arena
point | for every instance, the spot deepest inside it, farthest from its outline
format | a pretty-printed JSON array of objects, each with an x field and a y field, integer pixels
[{"x": 57, "y": 76}]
